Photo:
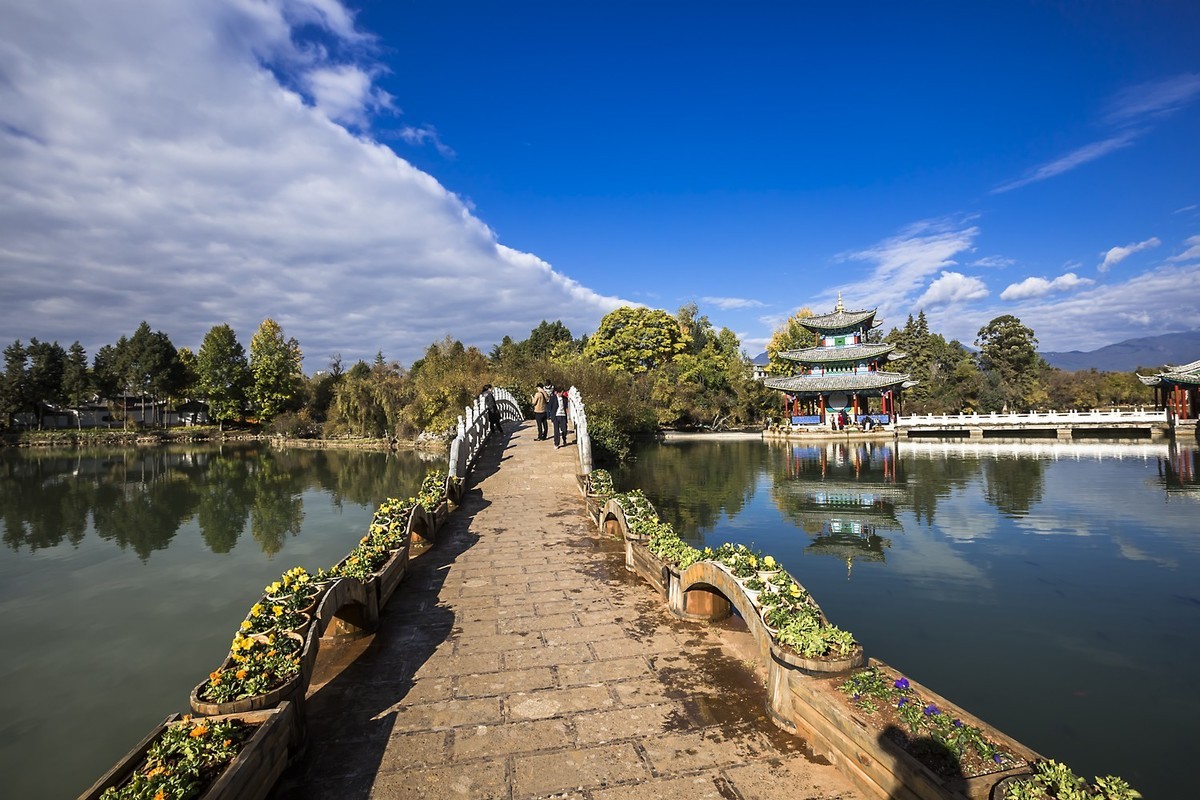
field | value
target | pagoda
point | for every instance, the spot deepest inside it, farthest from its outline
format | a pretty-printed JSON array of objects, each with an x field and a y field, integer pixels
[
  {"x": 1178, "y": 389},
  {"x": 842, "y": 373}
]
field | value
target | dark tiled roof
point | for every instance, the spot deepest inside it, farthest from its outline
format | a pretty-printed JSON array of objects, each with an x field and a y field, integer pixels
[
  {"x": 838, "y": 320},
  {"x": 825, "y": 355},
  {"x": 850, "y": 381},
  {"x": 1187, "y": 374}
]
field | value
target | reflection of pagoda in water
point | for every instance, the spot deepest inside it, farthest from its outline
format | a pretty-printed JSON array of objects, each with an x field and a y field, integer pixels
[
  {"x": 1177, "y": 472},
  {"x": 843, "y": 494}
]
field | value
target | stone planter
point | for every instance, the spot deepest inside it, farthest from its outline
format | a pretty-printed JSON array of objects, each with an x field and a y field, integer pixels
[
  {"x": 250, "y": 776},
  {"x": 877, "y": 765}
]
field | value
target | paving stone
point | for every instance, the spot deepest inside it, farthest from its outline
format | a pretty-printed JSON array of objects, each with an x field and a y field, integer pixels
[
  {"x": 790, "y": 780},
  {"x": 586, "y": 768},
  {"x": 483, "y": 781},
  {"x": 588, "y": 633},
  {"x": 497, "y": 683},
  {"x": 612, "y": 671},
  {"x": 692, "y": 787},
  {"x": 625, "y": 723},
  {"x": 547, "y": 656},
  {"x": 516, "y": 737},
  {"x": 556, "y": 702},
  {"x": 449, "y": 714}
]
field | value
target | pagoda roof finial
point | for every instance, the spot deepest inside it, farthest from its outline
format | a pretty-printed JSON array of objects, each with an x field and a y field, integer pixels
[{"x": 840, "y": 307}]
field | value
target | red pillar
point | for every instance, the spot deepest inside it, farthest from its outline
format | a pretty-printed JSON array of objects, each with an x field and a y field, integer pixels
[{"x": 821, "y": 401}]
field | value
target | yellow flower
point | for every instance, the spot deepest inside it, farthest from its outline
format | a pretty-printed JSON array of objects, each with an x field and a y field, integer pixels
[
  {"x": 278, "y": 610},
  {"x": 198, "y": 731},
  {"x": 241, "y": 674},
  {"x": 245, "y": 624},
  {"x": 161, "y": 795},
  {"x": 256, "y": 609}
]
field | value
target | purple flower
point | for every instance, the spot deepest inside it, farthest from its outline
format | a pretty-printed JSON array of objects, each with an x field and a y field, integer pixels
[
  {"x": 996, "y": 757},
  {"x": 931, "y": 710},
  {"x": 901, "y": 702},
  {"x": 901, "y": 683},
  {"x": 857, "y": 695},
  {"x": 958, "y": 723}
]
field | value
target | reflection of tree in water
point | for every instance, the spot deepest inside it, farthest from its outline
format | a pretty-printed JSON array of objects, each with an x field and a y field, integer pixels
[
  {"x": 1013, "y": 485},
  {"x": 693, "y": 483},
  {"x": 140, "y": 498},
  {"x": 144, "y": 504},
  {"x": 930, "y": 479},
  {"x": 277, "y": 508},
  {"x": 225, "y": 500},
  {"x": 40, "y": 503}
]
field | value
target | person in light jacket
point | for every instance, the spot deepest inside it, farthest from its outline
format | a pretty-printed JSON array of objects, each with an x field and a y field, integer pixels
[
  {"x": 540, "y": 403},
  {"x": 560, "y": 420}
]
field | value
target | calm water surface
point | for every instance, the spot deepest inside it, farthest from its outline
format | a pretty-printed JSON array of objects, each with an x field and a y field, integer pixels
[
  {"x": 124, "y": 574},
  {"x": 1051, "y": 589}
]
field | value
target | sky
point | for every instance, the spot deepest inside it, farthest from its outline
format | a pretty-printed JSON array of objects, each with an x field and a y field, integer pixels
[{"x": 378, "y": 175}]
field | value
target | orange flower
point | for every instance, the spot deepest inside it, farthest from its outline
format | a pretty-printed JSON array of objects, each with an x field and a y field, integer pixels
[
  {"x": 198, "y": 731},
  {"x": 162, "y": 795},
  {"x": 227, "y": 742},
  {"x": 241, "y": 674}
]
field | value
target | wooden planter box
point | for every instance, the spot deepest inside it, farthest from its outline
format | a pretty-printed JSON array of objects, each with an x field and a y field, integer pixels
[
  {"x": 387, "y": 579},
  {"x": 440, "y": 515},
  {"x": 347, "y": 610},
  {"x": 654, "y": 570},
  {"x": 878, "y": 766},
  {"x": 250, "y": 776}
]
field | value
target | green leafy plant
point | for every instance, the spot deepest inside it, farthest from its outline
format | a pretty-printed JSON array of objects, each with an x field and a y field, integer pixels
[
  {"x": 433, "y": 490},
  {"x": 183, "y": 760},
  {"x": 600, "y": 484},
  {"x": 1057, "y": 781}
]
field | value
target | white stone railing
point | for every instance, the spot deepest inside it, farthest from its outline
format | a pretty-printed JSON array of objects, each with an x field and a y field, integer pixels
[
  {"x": 474, "y": 428},
  {"x": 1093, "y": 417},
  {"x": 583, "y": 442}
]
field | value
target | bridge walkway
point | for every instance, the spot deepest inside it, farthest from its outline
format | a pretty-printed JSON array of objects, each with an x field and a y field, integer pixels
[{"x": 518, "y": 659}]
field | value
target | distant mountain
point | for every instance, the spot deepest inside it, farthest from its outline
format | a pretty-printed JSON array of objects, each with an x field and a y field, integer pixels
[{"x": 1149, "y": 351}]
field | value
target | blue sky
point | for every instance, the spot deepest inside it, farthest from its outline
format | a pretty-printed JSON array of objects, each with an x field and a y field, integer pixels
[{"x": 378, "y": 175}]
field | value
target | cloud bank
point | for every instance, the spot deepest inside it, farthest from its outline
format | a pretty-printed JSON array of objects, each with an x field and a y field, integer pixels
[
  {"x": 1038, "y": 287},
  {"x": 1115, "y": 255},
  {"x": 193, "y": 164}
]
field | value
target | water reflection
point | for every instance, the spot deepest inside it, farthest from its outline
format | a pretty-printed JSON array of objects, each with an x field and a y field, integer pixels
[{"x": 139, "y": 499}]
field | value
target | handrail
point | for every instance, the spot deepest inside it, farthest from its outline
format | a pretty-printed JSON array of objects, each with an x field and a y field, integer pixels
[
  {"x": 583, "y": 441},
  {"x": 1065, "y": 417},
  {"x": 474, "y": 428}
]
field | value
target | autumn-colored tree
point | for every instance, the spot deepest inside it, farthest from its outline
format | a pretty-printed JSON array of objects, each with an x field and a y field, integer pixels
[
  {"x": 275, "y": 368},
  {"x": 791, "y": 335}
]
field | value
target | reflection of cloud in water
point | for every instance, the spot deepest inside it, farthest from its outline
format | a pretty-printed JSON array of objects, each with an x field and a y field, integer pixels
[
  {"x": 963, "y": 520},
  {"x": 934, "y": 567},
  {"x": 1092, "y": 653},
  {"x": 1135, "y": 553}
]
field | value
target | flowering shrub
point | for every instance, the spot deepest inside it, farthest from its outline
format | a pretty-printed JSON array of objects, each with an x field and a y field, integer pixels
[
  {"x": 295, "y": 589},
  {"x": 876, "y": 692},
  {"x": 256, "y": 665},
  {"x": 363, "y": 561},
  {"x": 389, "y": 526},
  {"x": 433, "y": 490},
  {"x": 183, "y": 760},
  {"x": 264, "y": 618},
  {"x": 601, "y": 484}
]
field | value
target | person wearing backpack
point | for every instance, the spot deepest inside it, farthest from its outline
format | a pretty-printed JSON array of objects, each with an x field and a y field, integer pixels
[{"x": 540, "y": 403}]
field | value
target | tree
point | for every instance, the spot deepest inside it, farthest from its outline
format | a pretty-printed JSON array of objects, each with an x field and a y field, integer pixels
[
  {"x": 635, "y": 340},
  {"x": 791, "y": 335},
  {"x": 223, "y": 375},
  {"x": 14, "y": 391},
  {"x": 77, "y": 381},
  {"x": 1010, "y": 362},
  {"x": 47, "y": 362},
  {"x": 275, "y": 367}
]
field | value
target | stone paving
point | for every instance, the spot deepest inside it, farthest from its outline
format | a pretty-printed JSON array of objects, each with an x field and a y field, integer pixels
[{"x": 518, "y": 659}]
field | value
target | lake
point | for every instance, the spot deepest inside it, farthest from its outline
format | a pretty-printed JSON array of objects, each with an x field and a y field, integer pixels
[
  {"x": 1052, "y": 589},
  {"x": 124, "y": 575}
]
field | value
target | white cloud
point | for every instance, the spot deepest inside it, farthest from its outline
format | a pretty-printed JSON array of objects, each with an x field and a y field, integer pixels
[
  {"x": 729, "y": 303},
  {"x": 952, "y": 288},
  {"x": 425, "y": 134},
  {"x": 183, "y": 163},
  {"x": 1115, "y": 255},
  {"x": 1070, "y": 161},
  {"x": 1154, "y": 98},
  {"x": 903, "y": 265},
  {"x": 1192, "y": 253},
  {"x": 1037, "y": 287},
  {"x": 994, "y": 261}
]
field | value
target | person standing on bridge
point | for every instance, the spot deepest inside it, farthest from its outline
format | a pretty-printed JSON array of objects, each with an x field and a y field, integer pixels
[
  {"x": 560, "y": 420},
  {"x": 493, "y": 410},
  {"x": 540, "y": 403}
]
